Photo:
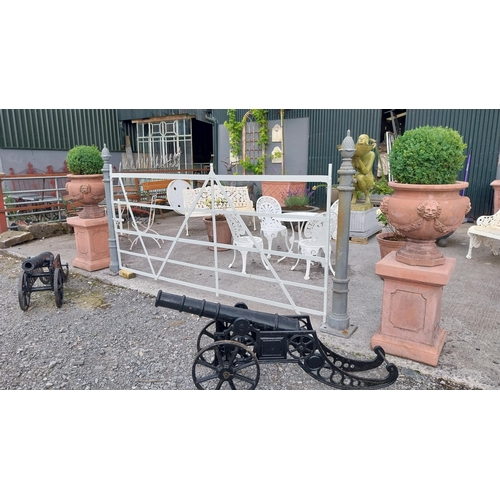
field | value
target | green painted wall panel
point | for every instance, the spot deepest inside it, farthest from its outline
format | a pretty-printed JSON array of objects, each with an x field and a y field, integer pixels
[
  {"x": 480, "y": 129},
  {"x": 58, "y": 129}
]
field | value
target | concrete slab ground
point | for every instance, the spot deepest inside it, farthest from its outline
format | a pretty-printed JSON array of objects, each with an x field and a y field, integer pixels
[{"x": 470, "y": 311}]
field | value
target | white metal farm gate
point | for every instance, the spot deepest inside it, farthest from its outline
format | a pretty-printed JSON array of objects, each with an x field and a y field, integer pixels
[{"x": 171, "y": 257}]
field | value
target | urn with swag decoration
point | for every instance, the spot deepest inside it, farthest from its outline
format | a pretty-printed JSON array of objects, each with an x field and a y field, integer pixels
[
  {"x": 86, "y": 180},
  {"x": 426, "y": 203}
]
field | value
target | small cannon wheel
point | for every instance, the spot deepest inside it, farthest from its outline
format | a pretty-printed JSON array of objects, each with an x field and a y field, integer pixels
[
  {"x": 301, "y": 345},
  {"x": 58, "y": 286},
  {"x": 22, "y": 291},
  {"x": 226, "y": 365}
]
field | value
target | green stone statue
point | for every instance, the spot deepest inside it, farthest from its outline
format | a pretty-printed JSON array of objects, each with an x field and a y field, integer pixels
[{"x": 362, "y": 161}]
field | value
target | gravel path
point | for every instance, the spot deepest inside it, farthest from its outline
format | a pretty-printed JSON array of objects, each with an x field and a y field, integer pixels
[{"x": 108, "y": 337}]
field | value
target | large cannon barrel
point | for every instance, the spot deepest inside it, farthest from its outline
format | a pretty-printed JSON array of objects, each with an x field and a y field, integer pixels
[
  {"x": 263, "y": 321},
  {"x": 42, "y": 260}
]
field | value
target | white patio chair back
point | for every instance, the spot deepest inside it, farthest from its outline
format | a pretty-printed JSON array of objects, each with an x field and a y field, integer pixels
[
  {"x": 334, "y": 217},
  {"x": 270, "y": 227},
  {"x": 144, "y": 225},
  {"x": 314, "y": 229},
  {"x": 242, "y": 241},
  {"x": 315, "y": 238}
]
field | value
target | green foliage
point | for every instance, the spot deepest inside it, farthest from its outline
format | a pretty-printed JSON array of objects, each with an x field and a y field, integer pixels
[
  {"x": 84, "y": 160},
  {"x": 257, "y": 168},
  {"x": 427, "y": 155},
  {"x": 235, "y": 129},
  {"x": 381, "y": 187},
  {"x": 298, "y": 197}
]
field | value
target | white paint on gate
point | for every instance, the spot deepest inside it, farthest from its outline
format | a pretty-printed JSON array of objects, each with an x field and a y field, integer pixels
[{"x": 123, "y": 209}]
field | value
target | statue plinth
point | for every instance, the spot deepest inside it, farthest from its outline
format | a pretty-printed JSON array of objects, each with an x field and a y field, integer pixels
[{"x": 364, "y": 221}]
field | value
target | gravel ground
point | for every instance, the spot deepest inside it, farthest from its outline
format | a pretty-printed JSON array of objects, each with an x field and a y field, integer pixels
[{"x": 108, "y": 337}]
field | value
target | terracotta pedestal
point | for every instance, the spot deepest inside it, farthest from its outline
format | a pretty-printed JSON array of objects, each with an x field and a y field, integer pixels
[
  {"x": 92, "y": 245},
  {"x": 411, "y": 309}
]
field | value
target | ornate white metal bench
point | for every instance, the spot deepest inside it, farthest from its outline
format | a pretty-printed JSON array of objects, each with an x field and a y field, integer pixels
[
  {"x": 486, "y": 232},
  {"x": 238, "y": 195}
]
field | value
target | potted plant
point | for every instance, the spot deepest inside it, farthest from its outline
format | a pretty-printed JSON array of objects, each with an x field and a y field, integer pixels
[
  {"x": 426, "y": 203},
  {"x": 390, "y": 239},
  {"x": 298, "y": 199},
  {"x": 222, "y": 227},
  {"x": 86, "y": 180}
]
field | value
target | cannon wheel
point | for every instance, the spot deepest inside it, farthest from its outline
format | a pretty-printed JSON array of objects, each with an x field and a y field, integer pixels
[
  {"x": 226, "y": 365},
  {"x": 210, "y": 333},
  {"x": 22, "y": 291},
  {"x": 58, "y": 286},
  {"x": 301, "y": 345}
]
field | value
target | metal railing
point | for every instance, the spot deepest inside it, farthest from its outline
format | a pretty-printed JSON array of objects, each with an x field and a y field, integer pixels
[{"x": 32, "y": 198}]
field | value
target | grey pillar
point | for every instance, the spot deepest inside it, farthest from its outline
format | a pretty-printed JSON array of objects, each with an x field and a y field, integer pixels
[
  {"x": 338, "y": 321},
  {"x": 114, "y": 265}
]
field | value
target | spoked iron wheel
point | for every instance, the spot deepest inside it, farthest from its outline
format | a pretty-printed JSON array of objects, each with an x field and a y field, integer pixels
[
  {"x": 301, "y": 346},
  {"x": 211, "y": 333},
  {"x": 226, "y": 365},
  {"x": 22, "y": 291},
  {"x": 58, "y": 286}
]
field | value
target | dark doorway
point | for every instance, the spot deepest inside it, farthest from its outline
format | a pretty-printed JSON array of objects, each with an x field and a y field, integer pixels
[
  {"x": 202, "y": 140},
  {"x": 393, "y": 121}
]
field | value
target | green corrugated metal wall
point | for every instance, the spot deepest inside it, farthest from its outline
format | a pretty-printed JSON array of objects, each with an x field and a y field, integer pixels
[
  {"x": 328, "y": 127},
  {"x": 480, "y": 129},
  {"x": 58, "y": 129},
  {"x": 61, "y": 129}
]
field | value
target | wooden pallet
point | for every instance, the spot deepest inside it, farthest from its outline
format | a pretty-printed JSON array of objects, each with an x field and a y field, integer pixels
[{"x": 362, "y": 241}]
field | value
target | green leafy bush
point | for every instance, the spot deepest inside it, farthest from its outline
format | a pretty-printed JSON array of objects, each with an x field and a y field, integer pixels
[
  {"x": 84, "y": 160},
  {"x": 427, "y": 155},
  {"x": 382, "y": 187}
]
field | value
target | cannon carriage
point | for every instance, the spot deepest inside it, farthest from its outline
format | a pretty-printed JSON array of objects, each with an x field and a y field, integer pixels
[
  {"x": 42, "y": 273},
  {"x": 231, "y": 347}
]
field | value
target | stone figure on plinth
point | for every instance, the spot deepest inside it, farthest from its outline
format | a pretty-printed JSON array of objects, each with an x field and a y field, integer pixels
[{"x": 362, "y": 161}]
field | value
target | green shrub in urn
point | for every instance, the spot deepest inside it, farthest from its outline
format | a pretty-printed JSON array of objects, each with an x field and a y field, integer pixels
[
  {"x": 84, "y": 160},
  {"x": 427, "y": 155}
]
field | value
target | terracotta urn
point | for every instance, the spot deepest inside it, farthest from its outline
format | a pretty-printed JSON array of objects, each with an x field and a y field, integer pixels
[
  {"x": 89, "y": 190},
  {"x": 424, "y": 213},
  {"x": 224, "y": 235},
  {"x": 388, "y": 243}
]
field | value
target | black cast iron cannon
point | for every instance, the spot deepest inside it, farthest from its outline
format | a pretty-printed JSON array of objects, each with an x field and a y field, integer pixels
[
  {"x": 44, "y": 268},
  {"x": 237, "y": 339}
]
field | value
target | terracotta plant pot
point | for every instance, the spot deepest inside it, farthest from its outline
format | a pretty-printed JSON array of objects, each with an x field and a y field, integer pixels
[
  {"x": 279, "y": 190},
  {"x": 388, "y": 245},
  {"x": 424, "y": 213},
  {"x": 89, "y": 190},
  {"x": 223, "y": 232}
]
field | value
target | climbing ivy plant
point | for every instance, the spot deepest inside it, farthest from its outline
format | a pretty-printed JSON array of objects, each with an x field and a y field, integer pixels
[{"x": 235, "y": 130}]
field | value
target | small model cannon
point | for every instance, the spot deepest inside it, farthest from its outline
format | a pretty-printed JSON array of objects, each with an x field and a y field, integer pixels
[
  {"x": 237, "y": 339},
  {"x": 51, "y": 273}
]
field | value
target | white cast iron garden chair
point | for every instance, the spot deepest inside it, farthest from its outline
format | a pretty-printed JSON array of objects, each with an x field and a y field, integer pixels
[
  {"x": 270, "y": 227},
  {"x": 242, "y": 241},
  {"x": 316, "y": 240},
  {"x": 144, "y": 224}
]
